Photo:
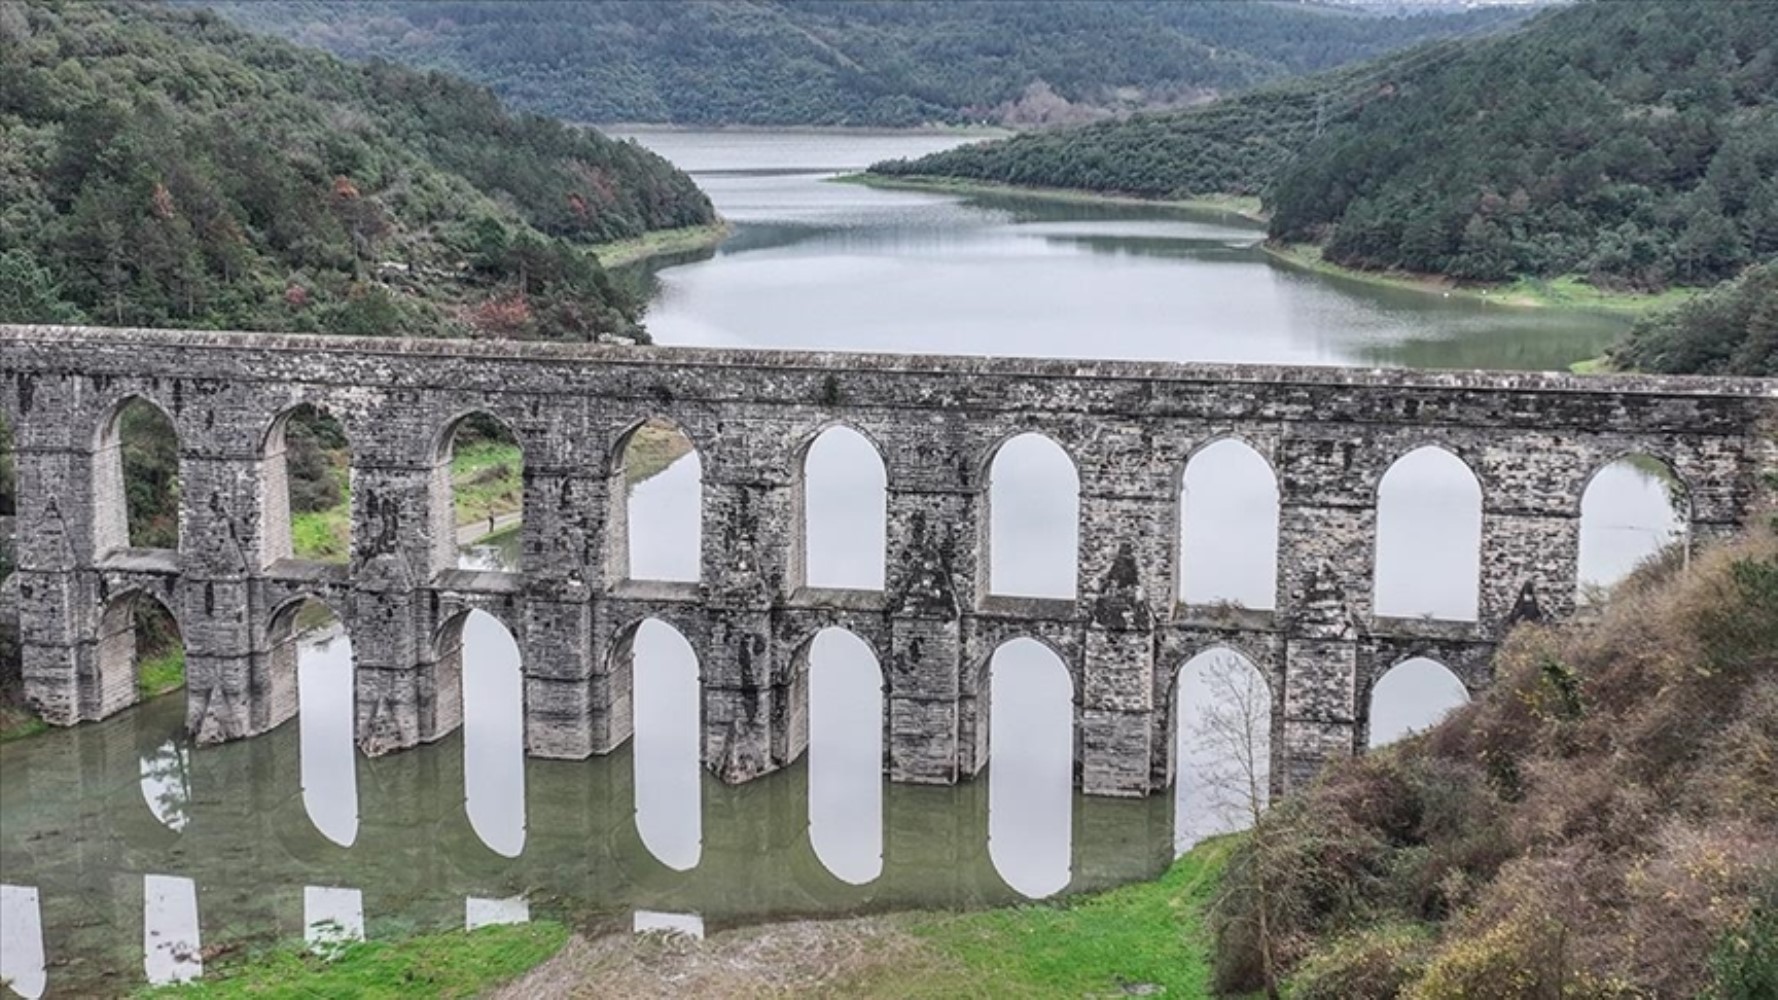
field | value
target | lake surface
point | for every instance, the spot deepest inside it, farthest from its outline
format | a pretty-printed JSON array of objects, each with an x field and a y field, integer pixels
[{"x": 127, "y": 855}]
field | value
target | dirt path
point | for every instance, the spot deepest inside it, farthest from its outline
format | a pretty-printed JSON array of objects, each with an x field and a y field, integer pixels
[
  {"x": 866, "y": 956},
  {"x": 474, "y": 531}
]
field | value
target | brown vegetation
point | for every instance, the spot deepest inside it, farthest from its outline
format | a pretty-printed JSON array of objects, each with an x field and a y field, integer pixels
[{"x": 1604, "y": 823}]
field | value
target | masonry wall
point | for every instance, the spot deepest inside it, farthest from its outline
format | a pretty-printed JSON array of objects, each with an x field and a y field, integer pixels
[{"x": 1533, "y": 442}]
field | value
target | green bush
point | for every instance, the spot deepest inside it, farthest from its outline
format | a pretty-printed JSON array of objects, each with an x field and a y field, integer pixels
[{"x": 1745, "y": 965}]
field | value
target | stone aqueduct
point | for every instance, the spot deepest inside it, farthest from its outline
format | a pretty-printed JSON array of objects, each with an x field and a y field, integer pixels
[{"x": 1533, "y": 442}]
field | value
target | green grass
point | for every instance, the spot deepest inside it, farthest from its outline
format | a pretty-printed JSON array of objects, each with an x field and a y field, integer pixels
[
  {"x": 1567, "y": 292},
  {"x": 1245, "y": 206},
  {"x": 162, "y": 672},
  {"x": 326, "y": 535},
  {"x": 488, "y": 480},
  {"x": 661, "y": 242},
  {"x": 322, "y": 535},
  {"x": 1151, "y": 933},
  {"x": 448, "y": 964}
]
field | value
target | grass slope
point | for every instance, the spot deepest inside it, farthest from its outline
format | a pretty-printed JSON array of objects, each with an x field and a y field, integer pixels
[{"x": 1148, "y": 938}]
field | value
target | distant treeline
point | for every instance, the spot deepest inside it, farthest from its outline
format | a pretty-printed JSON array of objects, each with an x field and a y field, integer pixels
[
  {"x": 160, "y": 167},
  {"x": 1633, "y": 143},
  {"x": 850, "y": 62}
]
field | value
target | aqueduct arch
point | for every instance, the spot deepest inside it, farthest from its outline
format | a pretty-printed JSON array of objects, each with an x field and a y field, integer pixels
[{"x": 1330, "y": 434}]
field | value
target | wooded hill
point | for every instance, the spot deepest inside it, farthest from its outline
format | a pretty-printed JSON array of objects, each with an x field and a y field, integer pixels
[
  {"x": 162, "y": 167},
  {"x": 1633, "y": 143},
  {"x": 851, "y": 62}
]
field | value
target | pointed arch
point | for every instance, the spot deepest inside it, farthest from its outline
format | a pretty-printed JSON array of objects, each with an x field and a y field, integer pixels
[
  {"x": 135, "y": 477},
  {"x": 654, "y": 523},
  {"x": 1411, "y": 696},
  {"x": 1429, "y": 537},
  {"x": 1033, "y": 513},
  {"x": 1228, "y": 527},
  {"x": 656, "y": 662},
  {"x": 842, "y": 496},
  {"x": 1632, "y": 508},
  {"x": 134, "y": 626},
  {"x": 477, "y": 494},
  {"x": 1222, "y": 720},
  {"x": 846, "y": 739},
  {"x": 305, "y": 487},
  {"x": 1031, "y": 746}
]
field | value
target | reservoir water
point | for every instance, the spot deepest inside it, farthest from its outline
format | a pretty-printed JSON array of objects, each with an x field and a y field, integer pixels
[{"x": 127, "y": 854}]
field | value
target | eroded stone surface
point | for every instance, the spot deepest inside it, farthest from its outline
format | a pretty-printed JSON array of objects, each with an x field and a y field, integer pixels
[{"x": 1533, "y": 441}]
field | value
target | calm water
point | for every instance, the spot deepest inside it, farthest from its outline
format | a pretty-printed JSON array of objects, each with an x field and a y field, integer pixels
[{"x": 128, "y": 856}]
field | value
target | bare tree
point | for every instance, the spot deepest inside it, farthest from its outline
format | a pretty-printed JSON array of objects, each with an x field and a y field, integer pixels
[{"x": 1234, "y": 741}]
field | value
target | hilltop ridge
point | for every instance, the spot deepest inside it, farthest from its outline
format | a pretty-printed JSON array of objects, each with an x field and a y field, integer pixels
[{"x": 852, "y": 62}]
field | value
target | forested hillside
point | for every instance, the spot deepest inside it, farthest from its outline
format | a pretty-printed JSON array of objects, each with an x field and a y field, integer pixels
[
  {"x": 851, "y": 62},
  {"x": 1633, "y": 143},
  {"x": 161, "y": 167}
]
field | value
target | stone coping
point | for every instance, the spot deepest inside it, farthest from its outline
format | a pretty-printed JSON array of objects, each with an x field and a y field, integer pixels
[{"x": 827, "y": 361}]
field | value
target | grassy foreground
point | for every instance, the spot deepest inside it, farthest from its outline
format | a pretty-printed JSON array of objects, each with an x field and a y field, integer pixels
[
  {"x": 1143, "y": 939},
  {"x": 1147, "y": 938},
  {"x": 447, "y": 964}
]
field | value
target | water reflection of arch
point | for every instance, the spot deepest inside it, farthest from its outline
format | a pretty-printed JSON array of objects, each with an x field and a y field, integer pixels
[{"x": 110, "y": 511}]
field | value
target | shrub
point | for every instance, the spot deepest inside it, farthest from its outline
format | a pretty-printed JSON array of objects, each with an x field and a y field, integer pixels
[
  {"x": 1745, "y": 963},
  {"x": 1372, "y": 964}
]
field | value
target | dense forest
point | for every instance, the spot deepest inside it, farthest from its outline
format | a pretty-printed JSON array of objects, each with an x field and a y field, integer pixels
[
  {"x": 851, "y": 62},
  {"x": 1635, "y": 144},
  {"x": 161, "y": 167}
]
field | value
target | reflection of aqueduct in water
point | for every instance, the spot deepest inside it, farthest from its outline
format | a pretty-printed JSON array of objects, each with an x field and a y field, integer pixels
[{"x": 1532, "y": 441}]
